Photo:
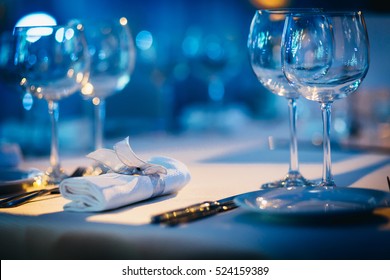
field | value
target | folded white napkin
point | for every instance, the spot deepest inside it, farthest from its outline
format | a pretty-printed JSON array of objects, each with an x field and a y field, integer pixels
[{"x": 157, "y": 176}]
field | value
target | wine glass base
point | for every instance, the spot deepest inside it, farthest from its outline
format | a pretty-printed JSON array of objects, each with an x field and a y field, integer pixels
[
  {"x": 95, "y": 170},
  {"x": 328, "y": 184},
  {"x": 291, "y": 180},
  {"x": 54, "y": 176}
]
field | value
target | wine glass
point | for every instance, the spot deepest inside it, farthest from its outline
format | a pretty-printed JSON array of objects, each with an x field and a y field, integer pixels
[
  {"x": 112, "y": 53},
  {"x": 325, "y": 56},
  {"x": 264, "y": 42},
  {"x": 53, "y": 63}
]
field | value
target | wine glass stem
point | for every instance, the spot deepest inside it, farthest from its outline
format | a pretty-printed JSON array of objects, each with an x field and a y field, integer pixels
[
  {"x": 327, "y": 178},
  {"x": 100, "y": 113},
  {"x": 294, "y": 167},
  {"x": 54, "y": 156}
]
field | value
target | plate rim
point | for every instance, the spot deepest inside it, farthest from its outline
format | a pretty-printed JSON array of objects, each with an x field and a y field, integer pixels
[
  {"x": 239, "y": 200},
  {"x": 31, "y": 174}
]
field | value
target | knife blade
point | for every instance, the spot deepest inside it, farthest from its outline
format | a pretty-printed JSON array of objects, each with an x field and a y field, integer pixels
[{"x": 194, "y": 212}]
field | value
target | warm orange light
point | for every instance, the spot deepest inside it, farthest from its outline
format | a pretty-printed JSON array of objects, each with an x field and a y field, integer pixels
[
  {"x": 23, "y": 81},
  {"x": 79, "y": 77},
  {"x": 123, "y": 21},
  {"x": 277, "y": 17},
  {"x": 70, "y": 73},
  {"x": 96, "y": 101},
  {"x": 87, "y": 89},
  {"x": 270, "y": 3}
]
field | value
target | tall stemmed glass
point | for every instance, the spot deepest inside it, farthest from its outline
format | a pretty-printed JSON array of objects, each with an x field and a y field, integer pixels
[
  {"x": 112, "y": 53},
  {"x": 264, "y": 42},
  {"x": 53, "y": 63},
  {"x": 325, "y": 57}
]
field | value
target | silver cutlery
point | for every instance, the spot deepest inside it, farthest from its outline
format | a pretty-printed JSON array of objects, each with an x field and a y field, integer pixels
[
  {"x": 23, "y": 198},
  {"x": 19, "y": 199},
  {"x": 194, "y": 212}
]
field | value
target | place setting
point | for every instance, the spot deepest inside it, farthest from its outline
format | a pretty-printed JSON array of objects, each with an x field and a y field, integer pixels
[
  {"x": 320, "y": 63},
  {"x": 237, "y": 132},
  {"x": 313, "y": 61},
  {"x": 97, "y": 60},
  {"x": 316, "y": 62},
  {"x": 127, "y": 179}
]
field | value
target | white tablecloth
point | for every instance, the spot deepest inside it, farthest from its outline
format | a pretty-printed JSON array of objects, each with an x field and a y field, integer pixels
[{"x": 220, "y": 166}]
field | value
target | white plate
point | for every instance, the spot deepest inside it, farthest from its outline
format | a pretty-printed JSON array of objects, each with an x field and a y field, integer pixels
[
  {"x": 313, "y": 201},
  {"x": 14, "y": 180}
]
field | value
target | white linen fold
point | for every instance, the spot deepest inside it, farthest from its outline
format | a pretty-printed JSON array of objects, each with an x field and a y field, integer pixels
[{"x": 113, "y": 190}]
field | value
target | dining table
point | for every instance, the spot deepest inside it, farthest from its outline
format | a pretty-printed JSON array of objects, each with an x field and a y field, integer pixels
[{"x": 221, "y": 165}]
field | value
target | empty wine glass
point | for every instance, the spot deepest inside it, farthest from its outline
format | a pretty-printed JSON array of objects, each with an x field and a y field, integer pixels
[
  {"x": 325, "y": 56},
  {"x": 112, "y": 53},
  {"x": 264, "y": 42},
  {"x": 53, "y": 63}
]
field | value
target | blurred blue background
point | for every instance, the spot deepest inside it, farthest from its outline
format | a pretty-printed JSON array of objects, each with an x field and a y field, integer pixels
[{"x": 192, "y": 74}]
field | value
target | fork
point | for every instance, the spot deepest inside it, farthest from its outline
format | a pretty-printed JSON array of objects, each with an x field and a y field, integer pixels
[{"x": 20, "y": 199}]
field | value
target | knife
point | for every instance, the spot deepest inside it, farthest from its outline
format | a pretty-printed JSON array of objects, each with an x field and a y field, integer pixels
[{"x": 194, "y": 212}]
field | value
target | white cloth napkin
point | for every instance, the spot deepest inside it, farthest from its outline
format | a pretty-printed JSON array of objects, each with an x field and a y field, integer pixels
[{"x": 159, "y": 176}]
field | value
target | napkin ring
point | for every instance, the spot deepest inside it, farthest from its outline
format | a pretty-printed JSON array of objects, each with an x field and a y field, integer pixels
[{"x": 123, "y": 160}]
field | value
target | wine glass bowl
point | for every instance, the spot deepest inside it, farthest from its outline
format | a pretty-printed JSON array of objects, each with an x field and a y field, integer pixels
[
  {"x": 325, "y": 57},
  {"x": 264, "y": 47},
  {"x": 52, "y": 63},
  {"x": 50, "y": 60},
  {"x": 112, "y": 53}
]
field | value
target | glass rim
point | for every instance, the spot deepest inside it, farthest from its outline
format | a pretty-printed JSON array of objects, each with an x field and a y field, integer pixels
[
  {"x": 284, "y": 11},
  {"x": 328, "y": 13},
  {"x": 39, "y": 26},
  {"x": 26, "y": 29},
  {"x": 310, "y": 11}
]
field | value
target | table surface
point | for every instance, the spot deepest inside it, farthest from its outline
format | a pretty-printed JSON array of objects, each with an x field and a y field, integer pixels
[{"x": 220, "y": 166}]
